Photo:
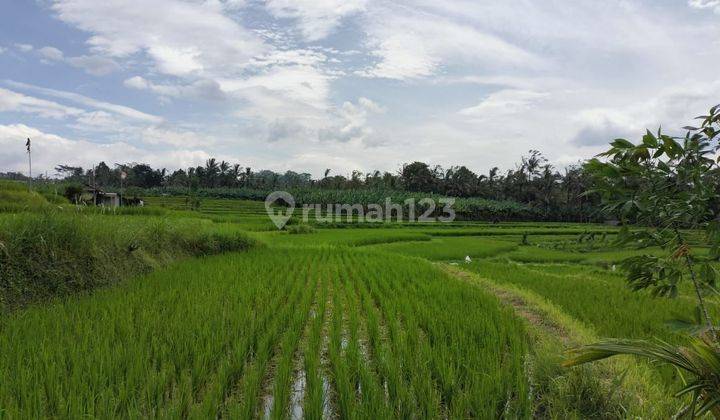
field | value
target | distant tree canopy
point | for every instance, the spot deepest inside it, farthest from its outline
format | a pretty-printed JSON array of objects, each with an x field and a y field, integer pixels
[{"x": 533, "y": 181}]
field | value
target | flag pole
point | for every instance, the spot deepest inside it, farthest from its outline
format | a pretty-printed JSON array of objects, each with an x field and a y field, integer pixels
[{"x": 29, "y": 163}]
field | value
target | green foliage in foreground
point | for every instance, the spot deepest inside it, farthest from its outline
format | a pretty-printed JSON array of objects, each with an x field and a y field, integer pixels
[
  {"x": 699, "y": 360},
  {"x": 198, "y": 339},
  {"x": 49, "y": 254},
  {"x": 669, "y": 183}
]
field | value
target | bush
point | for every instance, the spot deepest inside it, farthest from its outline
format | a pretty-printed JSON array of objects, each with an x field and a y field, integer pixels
[
  {"x": 15, "y": 196},
  {"x": 298, "y": 229},
  {"x": 49, "y": 254}
]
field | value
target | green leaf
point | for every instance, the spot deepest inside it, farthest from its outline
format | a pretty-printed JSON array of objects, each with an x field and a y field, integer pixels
[
  {"x": 650, "y": 140},
  {"x": 622, "y": 144},
  {"x": 664, "y": 167}
]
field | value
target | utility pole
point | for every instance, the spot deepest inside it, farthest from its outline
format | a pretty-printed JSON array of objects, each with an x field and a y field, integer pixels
[
  {"x": 122, "y": 177},
  {"x": 27, "y": 144},
  {"x": 94, "y": 186}
]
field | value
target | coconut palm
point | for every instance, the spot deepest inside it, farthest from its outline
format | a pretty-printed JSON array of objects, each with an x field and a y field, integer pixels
[{"x": 699, "y": 361}]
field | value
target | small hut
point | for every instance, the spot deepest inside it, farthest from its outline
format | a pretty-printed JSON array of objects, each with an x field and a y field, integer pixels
[{"x": 99, "y": 197}]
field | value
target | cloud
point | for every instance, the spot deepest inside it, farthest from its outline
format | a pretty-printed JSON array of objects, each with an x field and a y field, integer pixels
[
  {"x": 602, "y": 132},
  {"x": 460, "y": 82},
  {"x": 504, "y": 102},
  {"x": 671, "y": 108},
  {"x": 180, "y": 37},
  {"x": 11, "y": 101},
  {"x": 411, "y": 44},
  {"x": 122, "y": 110},
  {"x": 315, "y": 19},
  {"x": 402, "y": 56},
  {"x": 199, "y": 89},
  {"x": 49, "y": 150},
  {"x": 24, "y": 47},
  {"x": 352, "y": 122},
  {"x": 713, "y": 5},
  {"x": 51, "y": 53},
  {"x": 159, "y": 135},
  {"x": 94, "y": 64},
  {"x": 99, "y": 121},
  {"x": 285, "y": 128}
]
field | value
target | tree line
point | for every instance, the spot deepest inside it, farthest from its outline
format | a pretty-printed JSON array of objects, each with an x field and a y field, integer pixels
[{"x": 533, "y": 181}]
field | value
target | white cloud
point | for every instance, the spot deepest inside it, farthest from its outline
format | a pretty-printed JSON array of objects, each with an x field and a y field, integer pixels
[
  {"x": 464, "y": 82},
  {"x": 300, "y": 83},
  {"x": 316, "y": 19},
  {"x": 402, "y": 56},
  {"x": 51, "y": 53},
  {"x": 413, "y": 45},
  {"x": 352, "y": 122},
  {"x": 122, "y": 110},
  {"x": 17, "y": 102},
  {"x": 504, "y": 102},
  {"x": 180, "y": 37},
  {"x": 24, "y": 47},
  {"x": 233, "y": 4},
  {"x": 94, "y": 64},
  {"x": 158, "y": 135},
  {"x": 50, "y": 150},
  {"x": 670, "y": 108},
  {"x": 199, "y": 89},
  {"x": 137, "y": 82},
  {"x": 713, "y": 5}
]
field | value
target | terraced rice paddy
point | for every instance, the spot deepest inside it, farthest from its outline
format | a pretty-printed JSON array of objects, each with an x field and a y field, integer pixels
[
  {"x": 367, "y": 322},
  {"x": 369, "y": 335}
]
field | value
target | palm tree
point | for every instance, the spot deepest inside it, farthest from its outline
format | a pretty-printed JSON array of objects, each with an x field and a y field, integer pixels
[
  {"x": 235, "y": 174},
  {"x": 700, "y": 358},
  {"x": 211, "y": 172}
]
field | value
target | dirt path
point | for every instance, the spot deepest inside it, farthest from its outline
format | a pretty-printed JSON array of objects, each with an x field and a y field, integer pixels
[
  {"x": 531, "y": 313},
  {"x": 639, "y": 393}
]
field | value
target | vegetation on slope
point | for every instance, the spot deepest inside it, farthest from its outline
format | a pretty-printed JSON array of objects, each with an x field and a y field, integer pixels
[{"x": 49, "y": 254}]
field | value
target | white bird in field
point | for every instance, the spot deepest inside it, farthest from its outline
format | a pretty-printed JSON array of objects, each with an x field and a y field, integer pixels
[{"x": 467, "y": 259}]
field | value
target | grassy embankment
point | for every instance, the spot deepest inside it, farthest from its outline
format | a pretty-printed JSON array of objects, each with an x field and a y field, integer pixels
[{"x": 56, "y": 249}]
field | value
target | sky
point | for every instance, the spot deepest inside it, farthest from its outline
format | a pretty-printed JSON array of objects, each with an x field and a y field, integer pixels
[{"x": 309, "y": 85}]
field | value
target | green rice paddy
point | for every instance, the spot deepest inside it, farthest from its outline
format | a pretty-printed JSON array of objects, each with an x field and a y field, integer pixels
[{"x": 344, "y": 322}]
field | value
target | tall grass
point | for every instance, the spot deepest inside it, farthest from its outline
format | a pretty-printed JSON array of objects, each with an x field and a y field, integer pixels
[{"x": 49, "y": 254}]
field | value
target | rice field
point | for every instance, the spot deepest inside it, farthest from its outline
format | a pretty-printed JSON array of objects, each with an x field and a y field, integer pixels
[
  {"x": 336, "y": 321},
  {"x": 366, "y": 335}
]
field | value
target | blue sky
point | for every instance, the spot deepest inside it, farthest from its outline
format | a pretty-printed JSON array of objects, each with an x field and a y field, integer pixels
[{"x": 346, "y": 84}]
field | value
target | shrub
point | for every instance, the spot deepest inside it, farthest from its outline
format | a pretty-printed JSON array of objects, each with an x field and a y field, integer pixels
[
  {"x": 298, "y": 229},
  {"x": 54, "y": 253}
]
